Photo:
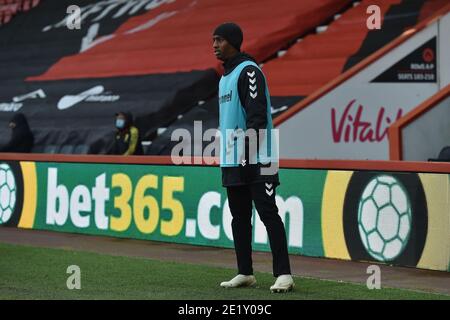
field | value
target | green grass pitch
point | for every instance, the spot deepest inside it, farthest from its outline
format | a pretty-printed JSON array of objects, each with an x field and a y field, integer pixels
[{"x": 41, "y": 273}]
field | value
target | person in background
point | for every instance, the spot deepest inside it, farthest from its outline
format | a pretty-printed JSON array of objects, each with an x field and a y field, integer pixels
[
  {"x": 126, "y": 140},
  {"x": 22, "y": 139}
]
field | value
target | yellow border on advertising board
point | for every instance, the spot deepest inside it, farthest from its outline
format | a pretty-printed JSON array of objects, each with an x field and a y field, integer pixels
[
  {"x": 336, "y": 184},
  {"x": 436, "y": 253},
  {"x": 29, "y": 195}
]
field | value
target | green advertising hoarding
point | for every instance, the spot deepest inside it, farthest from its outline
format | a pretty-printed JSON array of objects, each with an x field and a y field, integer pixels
[
  {"x": 401, "y": 218},
  {"x": 168, "y": 203}
]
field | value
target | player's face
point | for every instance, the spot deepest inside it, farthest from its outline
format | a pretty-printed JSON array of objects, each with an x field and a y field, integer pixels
[{"x": 222, "y": 49}]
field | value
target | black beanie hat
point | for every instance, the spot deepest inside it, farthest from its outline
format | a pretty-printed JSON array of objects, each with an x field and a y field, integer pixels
[{"x": 232, "y": 33}]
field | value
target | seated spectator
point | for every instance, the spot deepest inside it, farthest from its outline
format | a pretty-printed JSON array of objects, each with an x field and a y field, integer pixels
[
  {"x": 127, "y": 140},
  {"x": 22, "y": 139}
]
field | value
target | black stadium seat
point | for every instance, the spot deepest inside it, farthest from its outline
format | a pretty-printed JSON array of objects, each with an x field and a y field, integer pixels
[
  {"x": 444, "y": 155},
  {"x": 51, "y": 148},
  {"x": 67, "y": 149},
  {"x": 81, "y": 149}
]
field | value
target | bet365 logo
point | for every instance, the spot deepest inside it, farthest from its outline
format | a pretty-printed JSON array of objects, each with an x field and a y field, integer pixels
[{"x": 132, "y": 203}]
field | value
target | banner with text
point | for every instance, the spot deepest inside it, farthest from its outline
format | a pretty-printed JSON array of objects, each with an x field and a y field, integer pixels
[{"x": 393, "y": 217}]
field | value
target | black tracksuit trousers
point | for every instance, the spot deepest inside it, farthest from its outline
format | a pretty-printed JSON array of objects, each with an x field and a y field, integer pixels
[{"x": 240, "y": 200}]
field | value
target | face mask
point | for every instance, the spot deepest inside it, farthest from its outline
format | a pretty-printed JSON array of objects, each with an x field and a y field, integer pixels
[{"x": 120, "y": 123}]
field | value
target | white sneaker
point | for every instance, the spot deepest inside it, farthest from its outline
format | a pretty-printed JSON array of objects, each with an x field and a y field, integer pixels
[
  {"x": 239, "y": 281},
  {"x": 284, "y": 283}
]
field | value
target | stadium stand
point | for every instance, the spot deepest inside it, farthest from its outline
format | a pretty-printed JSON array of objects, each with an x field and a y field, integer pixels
[
  {"x": 132, "y": 56},
  {"x": 9, "y": 8},
  {"x": 152, "y": 58},
  {"x": 322, "y": 57},
  {"x": 319, "y": 57}
]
